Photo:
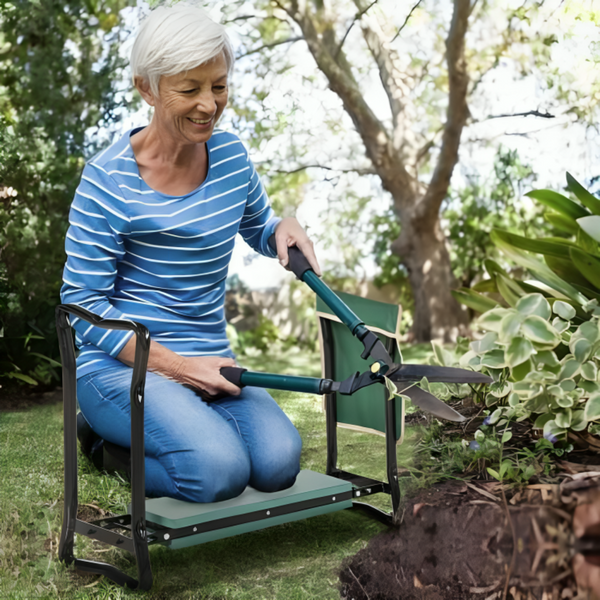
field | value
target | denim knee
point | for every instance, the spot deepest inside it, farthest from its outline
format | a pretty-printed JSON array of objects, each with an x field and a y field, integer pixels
[
  {"x": 278, "y": 470},
  {"x": 220, "y": 476}
]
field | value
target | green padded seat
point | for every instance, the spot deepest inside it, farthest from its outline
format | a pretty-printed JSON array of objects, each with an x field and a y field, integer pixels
[{"x": 312, "y": 494}]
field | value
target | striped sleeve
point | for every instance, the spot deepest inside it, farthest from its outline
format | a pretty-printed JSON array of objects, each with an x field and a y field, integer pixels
[
  {"x": 94, "y": 244},
  {"x": 259, "y": 220}
]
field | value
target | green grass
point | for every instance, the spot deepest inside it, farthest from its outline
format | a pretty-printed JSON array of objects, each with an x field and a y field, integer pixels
[{"x": 298, "y": 560}]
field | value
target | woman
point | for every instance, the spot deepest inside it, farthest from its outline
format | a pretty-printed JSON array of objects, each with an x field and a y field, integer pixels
[{"x": 152, "y": 228}]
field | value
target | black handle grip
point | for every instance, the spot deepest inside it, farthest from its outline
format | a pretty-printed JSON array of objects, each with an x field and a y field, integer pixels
[
  {"x": 233, "y": 375},
  {"x": 298, "y": 264}
]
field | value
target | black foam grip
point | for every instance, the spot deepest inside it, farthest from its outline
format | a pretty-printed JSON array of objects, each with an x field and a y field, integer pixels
[
  {"x": 233, "y": 375},
  {"x": 298, "y": 264}
]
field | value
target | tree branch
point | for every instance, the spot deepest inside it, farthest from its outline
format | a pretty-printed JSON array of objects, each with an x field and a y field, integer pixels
[
  {"x": 365, "y": 171},
  {"x": 532, "y": 113},
  {"x": 385, "y": 58},
  {"x": 272, "y": 45},
  {"x": 406, "y": 21},
  {"x": 357, "y": 17},
  {"x": 457, "y": 113}
]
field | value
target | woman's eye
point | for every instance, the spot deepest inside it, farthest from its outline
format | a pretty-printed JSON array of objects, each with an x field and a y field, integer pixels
[
  {"x": 220, "y": 88},
  {"x": 189, "y": 91}
]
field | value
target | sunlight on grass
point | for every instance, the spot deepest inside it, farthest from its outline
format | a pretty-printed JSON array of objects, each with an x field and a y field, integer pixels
[{"x": 297, "y": 560}]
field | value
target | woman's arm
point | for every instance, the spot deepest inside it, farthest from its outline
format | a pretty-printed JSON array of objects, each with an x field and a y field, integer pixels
[{"x": 201, "y": 372}]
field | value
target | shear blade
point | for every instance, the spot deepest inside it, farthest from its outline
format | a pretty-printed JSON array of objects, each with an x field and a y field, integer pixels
[
  {"x": 406, "y": 372},
  {"x": 426, "y": 401}
]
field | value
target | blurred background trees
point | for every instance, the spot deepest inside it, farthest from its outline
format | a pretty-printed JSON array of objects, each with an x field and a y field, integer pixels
[
  {"x": 380, "y": 123},
  {"x": 61, "y": 84}
]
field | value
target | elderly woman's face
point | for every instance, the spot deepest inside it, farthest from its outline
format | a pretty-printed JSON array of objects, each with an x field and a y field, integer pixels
[{"x": 190, "y": 103}]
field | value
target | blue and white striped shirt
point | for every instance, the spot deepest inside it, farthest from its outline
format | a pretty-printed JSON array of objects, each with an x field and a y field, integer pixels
[{"x": 135, "y": 253}]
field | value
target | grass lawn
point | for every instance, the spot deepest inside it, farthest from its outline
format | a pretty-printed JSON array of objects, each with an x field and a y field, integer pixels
[{"x": 294, "y": 561}]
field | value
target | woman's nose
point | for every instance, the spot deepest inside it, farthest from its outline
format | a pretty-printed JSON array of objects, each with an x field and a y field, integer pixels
[{"x": 206, "y": 103}]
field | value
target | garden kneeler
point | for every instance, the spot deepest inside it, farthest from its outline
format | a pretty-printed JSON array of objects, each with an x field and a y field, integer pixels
[{"x": 177, "y": 524}]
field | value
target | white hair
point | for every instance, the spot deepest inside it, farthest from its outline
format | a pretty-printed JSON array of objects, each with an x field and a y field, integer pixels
[{"x": 177, "y": 38}]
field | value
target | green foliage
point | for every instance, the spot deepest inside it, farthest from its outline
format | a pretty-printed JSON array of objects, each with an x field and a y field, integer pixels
[
  {"x": 59, "y": 70},
  {"x": 542, "y": 344},
  {"x": 473, "y": 211}
]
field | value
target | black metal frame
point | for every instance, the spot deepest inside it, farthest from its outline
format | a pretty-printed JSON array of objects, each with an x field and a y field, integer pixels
[
  {"x": 132, "y": 532},
  {"x": 364, "y": 486},
  {"x": 134, "y": 523}
]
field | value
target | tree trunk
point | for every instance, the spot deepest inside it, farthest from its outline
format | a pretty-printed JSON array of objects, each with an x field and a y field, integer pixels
[{"x": 422, "y": 250}]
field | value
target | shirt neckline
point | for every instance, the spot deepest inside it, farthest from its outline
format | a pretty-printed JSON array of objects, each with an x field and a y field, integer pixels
[{"x": 195, "y": 191}]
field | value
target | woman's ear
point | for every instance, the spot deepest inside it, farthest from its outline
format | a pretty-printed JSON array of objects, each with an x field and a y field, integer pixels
[{"x": 143, "y": 87}]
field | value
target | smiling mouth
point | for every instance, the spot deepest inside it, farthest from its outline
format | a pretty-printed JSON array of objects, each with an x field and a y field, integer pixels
[{"x": 200, "y": 121}]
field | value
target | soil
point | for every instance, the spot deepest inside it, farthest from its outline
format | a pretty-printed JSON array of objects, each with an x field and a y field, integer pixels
[
  {"x": 475, "y": 539},
  {"x": 456, "y": 543},
  {"x": 19, "y": 397}
]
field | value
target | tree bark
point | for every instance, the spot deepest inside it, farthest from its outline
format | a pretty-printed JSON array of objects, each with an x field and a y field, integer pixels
[{"x": 421, "y": 246}]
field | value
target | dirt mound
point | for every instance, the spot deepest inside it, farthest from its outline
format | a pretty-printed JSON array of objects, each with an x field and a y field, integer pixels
[{"x": 457, "y": 543}]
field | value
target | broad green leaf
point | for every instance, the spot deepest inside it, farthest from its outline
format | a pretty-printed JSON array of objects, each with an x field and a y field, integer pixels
[
  {"x": 580, "y": 348},
  {"x": 510, "y": 326},
  {"x": 521, "y": 371},
  {"x": 589, "y": 387},
  {"x": 470, "y": 358},
  {"x": 494, "y": 473},
  {"x": 534, "y": 304},
  {"x": 589, "y": 371},
  {"x": 578, "y": 420},
  {"x": 494, "y": 359},
  {"x": 556, "y": 391},
  {"x": 588, "y": 200},
  {"x": 543, "y": 246},
  {"x": 487, "y": 342},
  {"x": 547, "y": 357},
  {"x": 570, "y": 368},
  {"x": 592, "y": 408},
  {"x": 542, "y": 420},
  {"x": 509, "y": 290},
  {"x": 558, "y": 202},
  {"x": 493, "y": 268},
  {"x": 589, "y": 330},
  {"x": 491, "y": 319},
  {"x": 519, "y": 350},
  {"x": 568, "y": 385},
  {"x": 526, "y": 389},
  {"x": 559, "y": 325},
  {"x": 506, "y": 436},
  {"x": 565, "y": 402},
  {"x": 487, "y": 285},
  {"x": 591, "y": 225},
  {"x": 22, "y": 377},
  {"x": 563, "y": 310},
  {"x": 539, "y": 330},
  {"x": 562, "y": 222},
  {"x": 552, "y": 427},
  {"x": 513, "y": 399},
  {"x": 478, "y": 302},
  {"x": 500, "y": 389},
  {"x": 536, "y": 267},
  {"x": 495, "y": 416},
  {"x": 443, "y": 357},
  {"x": 587, "y": 265},
  {"x": 563, "y": 418},
  {"x": 565, "y": 270}
]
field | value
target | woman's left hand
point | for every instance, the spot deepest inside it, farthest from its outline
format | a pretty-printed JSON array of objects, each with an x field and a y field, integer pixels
[{"x": 290, "y": 233}]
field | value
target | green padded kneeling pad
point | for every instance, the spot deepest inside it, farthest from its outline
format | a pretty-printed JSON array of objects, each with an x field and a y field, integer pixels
[{"x": 309, "y": 485}]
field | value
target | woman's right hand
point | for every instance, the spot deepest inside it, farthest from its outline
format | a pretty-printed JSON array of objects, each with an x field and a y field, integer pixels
[{"x": 203, "y": 373}]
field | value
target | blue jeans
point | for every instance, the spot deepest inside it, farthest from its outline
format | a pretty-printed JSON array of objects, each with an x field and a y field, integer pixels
[{"x": 196, "y": 451}]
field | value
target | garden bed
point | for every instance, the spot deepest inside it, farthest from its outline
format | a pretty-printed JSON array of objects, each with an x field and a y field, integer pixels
[{"x": 473, "y": 537}]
